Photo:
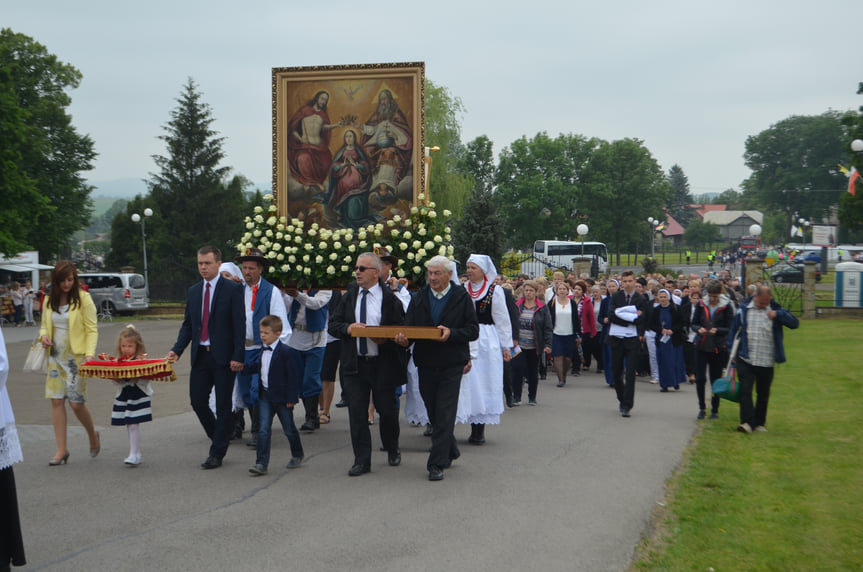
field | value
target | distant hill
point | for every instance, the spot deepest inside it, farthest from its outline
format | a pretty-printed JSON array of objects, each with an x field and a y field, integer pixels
[{"x": 119, "y": 188}]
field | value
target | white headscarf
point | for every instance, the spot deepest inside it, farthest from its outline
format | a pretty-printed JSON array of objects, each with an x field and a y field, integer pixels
[
  {"x": 487, "y": 266},
  {"x": 232, "y": 269}
]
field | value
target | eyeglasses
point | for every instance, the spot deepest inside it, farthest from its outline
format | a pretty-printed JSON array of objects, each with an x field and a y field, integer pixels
[{"x": 364, "y": 268}]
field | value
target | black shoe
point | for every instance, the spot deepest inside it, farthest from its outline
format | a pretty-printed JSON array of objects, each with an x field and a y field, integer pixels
[
  {"x": 211, "y": 463},
  {"x": 714, "y": 415},
  {"x": 625, "y": 413},
  {"x": 664, "y": 390},
  {"x": 429, "y": 430},
  {"x": 309, "y": 425},
  {"x": 341, "y": 404},
  {"x": 701, "y": 414},
  {"x": 452, "y": 458},
  {"x": 509, "y": 402},
  {"x": 477, "y": 434},
  {"x": 358, "y": 470},
  {"x": 677, "y": 388},
  {"x": 435, "y": 473},
  {"x": 395, "y": 459}
]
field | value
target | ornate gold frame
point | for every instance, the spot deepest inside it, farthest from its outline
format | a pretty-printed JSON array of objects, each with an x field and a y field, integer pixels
[{"x": 353, "y": 93}]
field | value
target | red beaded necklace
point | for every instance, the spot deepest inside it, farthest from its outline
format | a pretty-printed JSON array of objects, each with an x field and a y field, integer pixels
[{"x": 476, "y": 293}]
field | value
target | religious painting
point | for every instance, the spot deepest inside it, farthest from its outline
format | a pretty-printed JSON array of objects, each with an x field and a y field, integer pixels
[{"x": 348, "y": 142}]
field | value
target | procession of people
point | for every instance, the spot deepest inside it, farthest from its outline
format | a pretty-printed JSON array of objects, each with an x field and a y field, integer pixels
[{"x": 265, "y": 348}]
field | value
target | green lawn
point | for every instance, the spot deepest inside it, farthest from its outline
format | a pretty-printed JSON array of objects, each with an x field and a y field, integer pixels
[{"x": 790, "y": 499}]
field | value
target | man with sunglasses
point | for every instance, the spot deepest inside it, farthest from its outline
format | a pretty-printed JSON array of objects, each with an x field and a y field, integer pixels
[{"x": 370, "y": 365}]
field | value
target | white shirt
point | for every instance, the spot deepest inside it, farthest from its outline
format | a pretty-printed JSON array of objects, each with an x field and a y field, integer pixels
[
  {"x": 374, "y": 300},
  {"x": 563, "y": 319},
  {"x": 277, "y": 308},
  {"x": 266, "y": 357},
  {"x": 303, "y": 339},
  {"x": 212, "y": 284}
]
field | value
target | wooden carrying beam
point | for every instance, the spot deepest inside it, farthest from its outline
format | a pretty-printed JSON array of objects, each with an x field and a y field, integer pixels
[{"x": 389, "y": 332}]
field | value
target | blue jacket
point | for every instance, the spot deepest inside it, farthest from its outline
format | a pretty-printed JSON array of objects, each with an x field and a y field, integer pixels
[
  {"x": 283, "y": 376},
  {"x": 262, "y": 308},
  {"x": 227, "y": 322},
  {"x": 783, "y": 318}
]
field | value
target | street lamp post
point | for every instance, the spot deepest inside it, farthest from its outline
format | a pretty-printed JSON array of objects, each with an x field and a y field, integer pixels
[
  {"x": 653, "y": 224},
  {"x": 754, "y": 230},
  {"x": 148, "y": 212},
  {"x": 582, "y": 230}
]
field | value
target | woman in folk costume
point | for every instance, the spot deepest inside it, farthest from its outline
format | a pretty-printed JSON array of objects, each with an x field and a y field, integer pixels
[{"x": 480, "y": 399}]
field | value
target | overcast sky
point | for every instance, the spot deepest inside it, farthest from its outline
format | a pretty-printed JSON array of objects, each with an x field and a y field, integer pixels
[{"x": 691, "y": 80}]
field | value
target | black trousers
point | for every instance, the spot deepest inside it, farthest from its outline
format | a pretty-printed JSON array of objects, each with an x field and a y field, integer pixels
[
  {"x": 624, "y": 350},
  {"x": 708, "y": 363},
  {"x": 592, "y": 347},
  {"x": 524, "y": 365},
  {"x": 761, "y": 378},
  {"x": 207, "y": 374},
  {"x": 357, "y": 388},
  {"x": 439, "y": 388},
  {"x": 507, "y": 380}
]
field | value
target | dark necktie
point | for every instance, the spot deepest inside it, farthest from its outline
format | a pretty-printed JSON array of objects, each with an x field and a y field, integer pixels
[
  {"x": 268, "y": 349},
  {"x": 364, "y": 344},
  {"x": 205, "y": 321},
  {"x": 628, "y": 299}
]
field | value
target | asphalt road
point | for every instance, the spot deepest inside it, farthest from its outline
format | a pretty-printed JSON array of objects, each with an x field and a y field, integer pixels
[{"x": 566, "y": 485}]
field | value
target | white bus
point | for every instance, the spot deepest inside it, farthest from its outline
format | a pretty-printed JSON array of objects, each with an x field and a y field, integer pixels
[{"x": 558, "y": 254}]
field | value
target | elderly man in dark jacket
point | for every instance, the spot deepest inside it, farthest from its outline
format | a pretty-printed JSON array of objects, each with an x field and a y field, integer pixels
[{"x": 441, "y": 362}]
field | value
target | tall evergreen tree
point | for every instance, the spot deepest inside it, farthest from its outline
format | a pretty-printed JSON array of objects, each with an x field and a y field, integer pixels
[
  {"x": 43, "y": 196},
  {"x": 679, "y": 196},
  {"x": 193, "y": 203}
]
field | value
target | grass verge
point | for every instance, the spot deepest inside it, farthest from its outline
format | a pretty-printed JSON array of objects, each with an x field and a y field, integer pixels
[{"x": 790, "y": 499}]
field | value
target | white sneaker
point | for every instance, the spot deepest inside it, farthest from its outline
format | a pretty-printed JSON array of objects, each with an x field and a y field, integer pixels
[
  {"x": 133, "y": 460},
  {"x": 654, "y": 381},
  {"x": 744, "y": 428},
  {"x": 761, "y": 429}
]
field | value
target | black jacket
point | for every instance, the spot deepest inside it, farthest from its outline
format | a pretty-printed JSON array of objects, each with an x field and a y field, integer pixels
[
  {"x": 722, "y": 318},
  {"x": 393, "y": 358},
  {"x": 227, "y": 325},
  {"x": 284, "y": 375},
  {"x": 458, "y": 315},
  {"x": 618, "y": 300}
]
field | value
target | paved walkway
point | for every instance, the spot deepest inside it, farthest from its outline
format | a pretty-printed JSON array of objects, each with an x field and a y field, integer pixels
[{"x": 567, "y": 485}]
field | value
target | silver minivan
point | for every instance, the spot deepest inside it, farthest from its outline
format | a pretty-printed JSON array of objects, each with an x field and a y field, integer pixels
[{"x": 114, "y": 293}]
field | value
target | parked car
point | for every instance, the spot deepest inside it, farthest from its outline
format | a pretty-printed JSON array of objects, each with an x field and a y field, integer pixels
[
  {"x": 792, "y": 273},
  {"x": 114, "y": 293}
]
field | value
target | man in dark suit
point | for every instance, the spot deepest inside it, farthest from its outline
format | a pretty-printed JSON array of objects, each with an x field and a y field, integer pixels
[
  {"x": 625, "y": 337},
  {"x": 370, "y": 364},
  {"x": 441, "y": 363},
  {"x": 215, "y": 325}
]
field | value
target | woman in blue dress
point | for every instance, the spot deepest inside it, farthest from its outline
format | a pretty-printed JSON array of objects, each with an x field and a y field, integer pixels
[{"x": 667, "y": 321}]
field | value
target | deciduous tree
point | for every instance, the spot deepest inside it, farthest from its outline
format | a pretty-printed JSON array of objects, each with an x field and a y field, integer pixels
[{"x": 43, "y": 196}]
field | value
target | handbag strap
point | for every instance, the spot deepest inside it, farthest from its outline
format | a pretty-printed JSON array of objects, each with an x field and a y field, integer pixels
[{"x": 733, "y": 353}]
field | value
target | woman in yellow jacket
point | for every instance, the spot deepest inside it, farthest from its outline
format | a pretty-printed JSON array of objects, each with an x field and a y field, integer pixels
[{"x": 69, "y": 329}]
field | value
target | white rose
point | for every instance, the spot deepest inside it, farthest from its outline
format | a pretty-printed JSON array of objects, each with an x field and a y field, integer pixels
[
  {"x": 414, "y": 210},
  {"x": 280, "y": 257},
  {"x": 333, "y": 256},
  {"x": 322, "y": 245},
  {"x": 432, "y": 214},
  {"x": 447, "y": 212},
  {"x": 352, "y": 248},
  {"x": 417, "y": 269},
  {"x": 344, "y": 267},
  {"x": 397, "y": 218},
  {"x": 420, "y": 253},
  {"x": 319, "y": 259},
  {"x": 250, "y": 225},
  {"x": 337, "y": 244},
  {"x": 256, "y": 234},
  {"x": 331, "y": 269},
  {"x": 401, "y": 273},
  {"x": 298, "y": 239},
  {"x": 259, "y": 219},
  {"x": 416, "y": 244},
  {"x": 307, "y": 270},
  {"x": 363, "y": 244},
  {"x": 428, "y": 245},
  {"x": 285, "y": 268},
  {"x": 312, "y": 232},
  {"x": 394, "y": 233},
  {"x": 442, "y": 250},
  {"x": 269, "y": 233},
  {"x": 283, "y": 219},
  {"x": 411, "y": 256},
  {"x": 308, "y": 247},
  {"x": 306, "y": 258},
  {"x": 438, "y": 238},
  {"x": 421, "y": 231},
  {"x": 298, "y": 267},
  {"x": 403, "y": 246},
  {"x": 449, "y": 250},
  {"x": 292, "y": 259},
  {"x": 268, "y": 197},
  {"x": 315, "y": 226},
  {"x": 271, "y": 221},
  {"x": 290, "y": 228},
  {"x": 421, "y": 196},
  {"x": 407, "y": 235},
  {"x": 258, "y": 209},
  {"x": 361, "y": 235},
  {"x": 347, "y": 259}
]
